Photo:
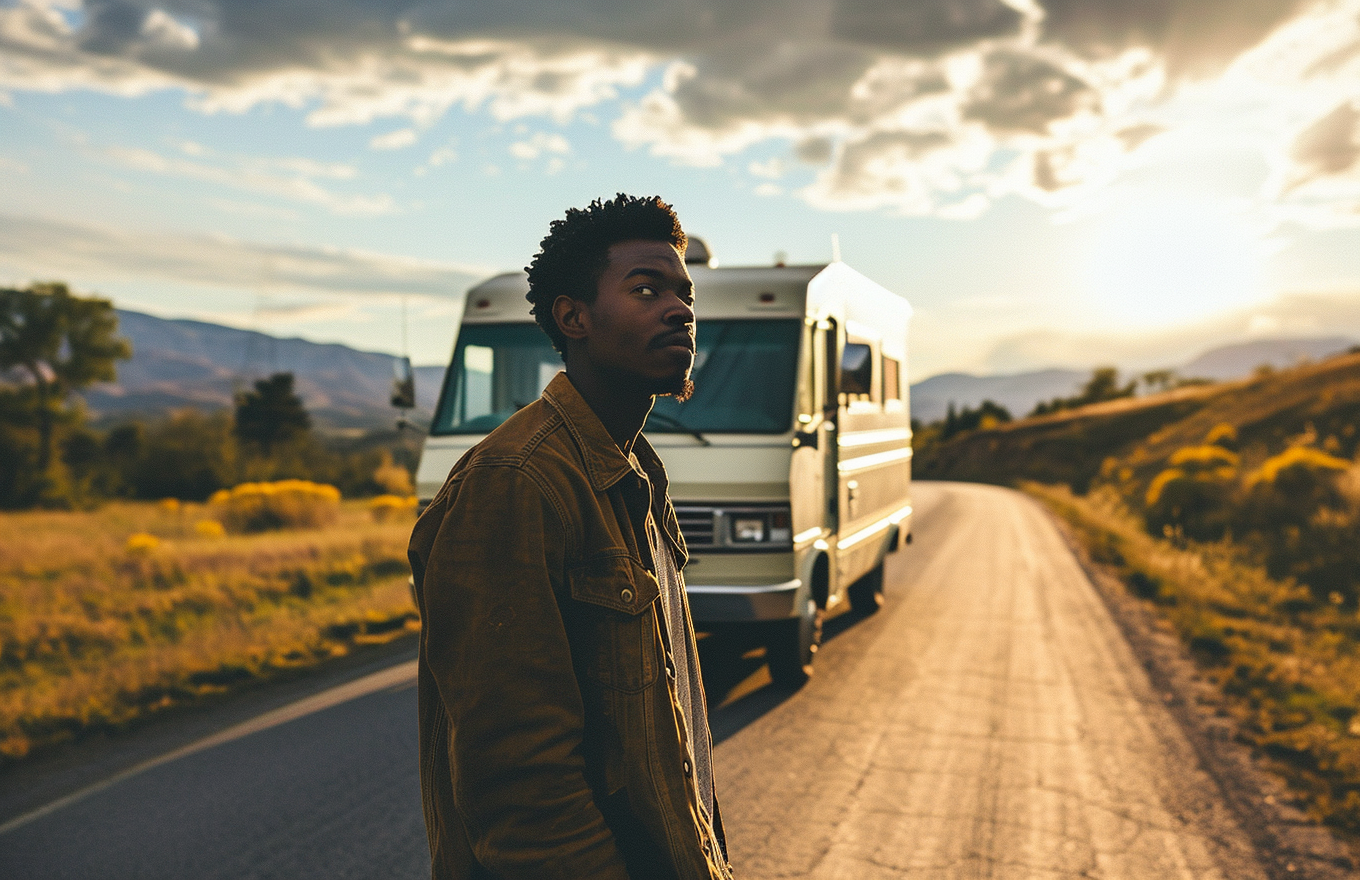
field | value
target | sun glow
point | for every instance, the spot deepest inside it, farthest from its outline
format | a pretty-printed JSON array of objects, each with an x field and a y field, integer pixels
[{"x": 1169, "y": 261}]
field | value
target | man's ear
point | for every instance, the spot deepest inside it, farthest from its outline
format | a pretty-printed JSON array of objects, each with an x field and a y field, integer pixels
[{"x": 571, "y": 317}]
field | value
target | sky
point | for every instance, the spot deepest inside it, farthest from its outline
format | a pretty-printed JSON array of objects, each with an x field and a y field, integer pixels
[{"x": 1047, "y": 182}]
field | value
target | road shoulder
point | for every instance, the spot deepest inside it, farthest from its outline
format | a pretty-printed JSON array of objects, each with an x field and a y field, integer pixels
[{"x": 1289, "y": 843}]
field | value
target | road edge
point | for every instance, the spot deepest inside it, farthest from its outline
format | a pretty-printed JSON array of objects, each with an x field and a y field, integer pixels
[
  {"x": 71, "y": 767},
  {"x": 1289, "y": 843}
]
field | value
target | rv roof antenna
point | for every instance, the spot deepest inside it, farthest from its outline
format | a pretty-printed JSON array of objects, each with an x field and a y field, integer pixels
[{"x": 835, "y": 247}]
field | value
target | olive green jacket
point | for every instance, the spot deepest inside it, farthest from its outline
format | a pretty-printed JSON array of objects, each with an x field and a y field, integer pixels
[{"x": 551, "y": 741}]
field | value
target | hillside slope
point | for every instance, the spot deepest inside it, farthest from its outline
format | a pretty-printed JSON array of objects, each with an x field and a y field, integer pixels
[{"x": 1321, "y": 399}]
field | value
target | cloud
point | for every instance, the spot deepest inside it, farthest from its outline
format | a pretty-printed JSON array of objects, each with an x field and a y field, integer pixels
[
  {"x": 394, "y": 140},
  {"x": 855, "y": 87},
  {"x": 1021, "y": 93},
  {"x": 539, "y": 144},
  {"x": 1194, "y": 37},
  {"x": 291, "y": 178},
  {"x": 923, "y": 28},
  {"x": 90, "y": 254},
  {"x": 1330, "y": 146},
  {"x": 1295, "y": 315}
]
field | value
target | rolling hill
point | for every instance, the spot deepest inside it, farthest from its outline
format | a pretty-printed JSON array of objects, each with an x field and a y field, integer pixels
[{"x": 1318, "y": 401}]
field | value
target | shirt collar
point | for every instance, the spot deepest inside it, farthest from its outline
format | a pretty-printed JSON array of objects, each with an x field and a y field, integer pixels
[{"x": 605, "y": 462}]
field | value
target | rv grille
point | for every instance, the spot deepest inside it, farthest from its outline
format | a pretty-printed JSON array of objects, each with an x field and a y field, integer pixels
[{"x": 696, "y": 524}]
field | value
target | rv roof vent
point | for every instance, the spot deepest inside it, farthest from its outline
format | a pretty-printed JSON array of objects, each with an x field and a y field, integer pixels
[{"x": 697, "y": 252}]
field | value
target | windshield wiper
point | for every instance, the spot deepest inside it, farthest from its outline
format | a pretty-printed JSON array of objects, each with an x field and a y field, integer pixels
[{"x": 676, "y": 423}]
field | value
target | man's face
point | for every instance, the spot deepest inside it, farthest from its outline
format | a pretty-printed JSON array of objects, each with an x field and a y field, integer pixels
[{"x": 641, "y": 325}]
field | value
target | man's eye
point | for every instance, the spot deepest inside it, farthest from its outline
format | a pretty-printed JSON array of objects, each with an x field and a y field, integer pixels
[{"x": 645, "y": 290}]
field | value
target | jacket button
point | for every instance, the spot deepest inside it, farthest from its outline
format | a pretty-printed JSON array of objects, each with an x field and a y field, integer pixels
[
  {"x": 686, "y": 765},
  {"x": 626, "y": 595}
]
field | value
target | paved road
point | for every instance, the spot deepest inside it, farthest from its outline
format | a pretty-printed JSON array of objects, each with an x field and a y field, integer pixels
[{"x": 989, "y": 722}]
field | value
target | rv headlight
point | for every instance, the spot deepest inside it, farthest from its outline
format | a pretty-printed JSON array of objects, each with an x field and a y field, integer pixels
[
  {"x": 763, "y": 527},
  {"x": 749, "y": 529}
]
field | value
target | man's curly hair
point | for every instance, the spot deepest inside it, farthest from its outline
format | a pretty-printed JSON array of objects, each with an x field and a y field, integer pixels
[{"x": 574, "y": 254}]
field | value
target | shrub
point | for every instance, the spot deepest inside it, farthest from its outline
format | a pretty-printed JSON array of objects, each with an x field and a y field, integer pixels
[
  {"x": 392, "y": 478},
  {"x": 390, "y": 507},
  {"x": 1192, "y": 497},
  {"x": 259, "y": 507},
  {"x": 1222, "y": 434},
  {"x": 209, "y": 528},
  {"x": 1288, "y": 489},
  {"x": 142, "y": 544},
  {"x": 1303, "y": 523},
  {"x": 1298, "y": 468}
]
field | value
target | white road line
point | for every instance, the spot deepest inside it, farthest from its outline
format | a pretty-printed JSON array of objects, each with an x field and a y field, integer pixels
[{"x": 391, "y": 677}]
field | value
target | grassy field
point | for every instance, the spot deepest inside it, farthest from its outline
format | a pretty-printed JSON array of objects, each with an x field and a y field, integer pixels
[
  {"x": 109, "y": 616},
  {"x": 1288, "y": 667}
]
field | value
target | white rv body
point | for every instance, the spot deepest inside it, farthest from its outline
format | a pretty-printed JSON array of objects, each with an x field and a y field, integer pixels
[{"x": 783, "y": 524}]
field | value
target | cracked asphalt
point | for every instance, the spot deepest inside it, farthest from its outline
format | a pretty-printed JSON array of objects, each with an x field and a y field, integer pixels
[{"x": 990, "y": 721}]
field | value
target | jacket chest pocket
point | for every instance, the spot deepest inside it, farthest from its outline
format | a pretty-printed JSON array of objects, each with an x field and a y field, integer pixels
[{"x": 614, "y": 601}]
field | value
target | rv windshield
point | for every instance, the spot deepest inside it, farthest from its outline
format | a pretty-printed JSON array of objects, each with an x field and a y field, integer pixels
[
  {"x": 743, "y": 380},
  {"x": 743, "y": 377}
]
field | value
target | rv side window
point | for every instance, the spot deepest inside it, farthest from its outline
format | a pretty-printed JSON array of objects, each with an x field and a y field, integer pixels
[
  {"x": 892, "y": 389},
  {"x": 496, "y": 369},
  {"x": 857, "y": 371}
]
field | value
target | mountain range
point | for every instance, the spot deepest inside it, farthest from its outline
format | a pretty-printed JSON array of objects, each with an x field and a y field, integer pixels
[
  {"x": 1019, "y": 392},
  {"x": 182, "y": 363}
]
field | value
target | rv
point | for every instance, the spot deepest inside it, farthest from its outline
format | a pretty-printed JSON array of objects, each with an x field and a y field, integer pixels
[{"x": 790, "y": 467}]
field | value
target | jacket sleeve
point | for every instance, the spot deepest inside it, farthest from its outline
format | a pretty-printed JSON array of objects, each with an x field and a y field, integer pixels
[{"x": 497, "y": 648}]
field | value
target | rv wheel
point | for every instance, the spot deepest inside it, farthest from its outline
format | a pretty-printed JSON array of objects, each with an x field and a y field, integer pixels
[
  {"x": 866, "y": 594},
  {"x": 791, "y": 646}
]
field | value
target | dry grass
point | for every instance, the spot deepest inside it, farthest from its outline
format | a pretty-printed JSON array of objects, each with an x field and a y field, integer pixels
[
  {"x": 111, "y": 615},
  {"x": 1289, "y": 668}
]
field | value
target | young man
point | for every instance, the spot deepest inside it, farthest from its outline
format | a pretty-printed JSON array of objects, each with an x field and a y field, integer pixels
[{"x": 563, "y": 731}]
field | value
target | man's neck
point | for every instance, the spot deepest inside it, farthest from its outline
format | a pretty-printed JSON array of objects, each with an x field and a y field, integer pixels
[{"x": 623, "y": 414}]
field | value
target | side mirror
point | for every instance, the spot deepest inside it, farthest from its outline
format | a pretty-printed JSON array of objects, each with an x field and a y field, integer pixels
[{"x": 403, "y": 384}]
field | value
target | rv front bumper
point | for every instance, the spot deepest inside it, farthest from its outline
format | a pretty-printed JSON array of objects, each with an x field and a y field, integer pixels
[{"x": 719, "y": 604}]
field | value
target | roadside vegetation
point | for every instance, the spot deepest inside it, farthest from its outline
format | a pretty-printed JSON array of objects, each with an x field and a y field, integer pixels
[
  {"x": 54, "y": 455},
  {"x": 109, "y": 616},
  {"x": 1232, "y": 511},
  {"x": 258, "y": 546}
]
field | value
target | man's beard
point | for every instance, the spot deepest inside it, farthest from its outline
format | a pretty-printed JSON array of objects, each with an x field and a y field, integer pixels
[{"x": 681, "y": 388}]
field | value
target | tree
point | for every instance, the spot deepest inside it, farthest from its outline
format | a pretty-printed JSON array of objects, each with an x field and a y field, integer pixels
[
  {"x": 57, "y": 343},
  {"x": 1104, "y": 385},
  {"x": 987, "y": 416},
  {"x": 1160, "y": 380},
  {"x": 272, "y": 414}
]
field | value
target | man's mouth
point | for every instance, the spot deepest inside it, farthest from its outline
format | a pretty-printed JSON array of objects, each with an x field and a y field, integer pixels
[{"x": 680, "y": 338}]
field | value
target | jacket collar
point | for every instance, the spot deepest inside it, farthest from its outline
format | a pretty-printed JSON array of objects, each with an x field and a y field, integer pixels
[{"x": 605, "y": 463}]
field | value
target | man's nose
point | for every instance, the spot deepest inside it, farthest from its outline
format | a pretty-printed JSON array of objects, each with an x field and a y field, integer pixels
[{"x": 679, "y": 312}]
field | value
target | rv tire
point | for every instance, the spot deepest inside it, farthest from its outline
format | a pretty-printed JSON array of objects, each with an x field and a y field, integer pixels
[
  {"x": 866, "y": 594},
  {"x": 791, "y": 646}
]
